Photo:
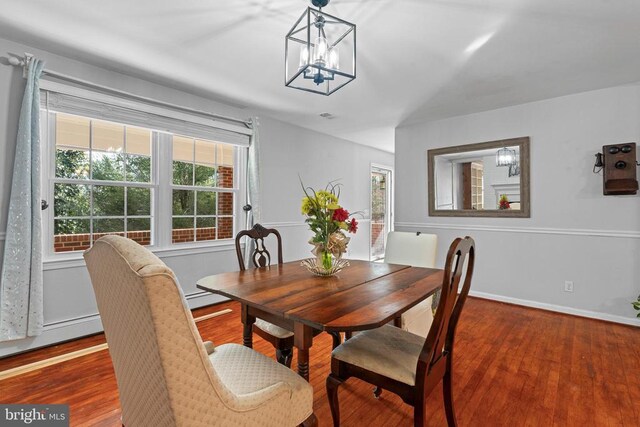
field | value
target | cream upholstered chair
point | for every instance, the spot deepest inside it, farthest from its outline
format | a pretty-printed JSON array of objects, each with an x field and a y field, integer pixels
[
  {"x": 166, "y": 375},
  {"x": 417, "y": 250}
]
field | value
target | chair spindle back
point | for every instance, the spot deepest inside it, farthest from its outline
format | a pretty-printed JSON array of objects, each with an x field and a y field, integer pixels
[{"x": 260, "y": 257}]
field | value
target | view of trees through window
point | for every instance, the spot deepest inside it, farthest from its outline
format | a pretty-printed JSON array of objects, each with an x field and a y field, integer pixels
[
  {"x": 201, "y": 209},
  {"x": 73, "y": 200},
  {"x": 104, "y": 184}
]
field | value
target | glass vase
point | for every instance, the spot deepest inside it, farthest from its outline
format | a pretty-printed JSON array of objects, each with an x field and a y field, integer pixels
[
  {"x": 325, "y": 259},
  {"x": 325, "y": 263}
]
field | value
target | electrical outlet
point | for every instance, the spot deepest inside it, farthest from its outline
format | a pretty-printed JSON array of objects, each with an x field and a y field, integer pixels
[{"x": 568, "y": 286}]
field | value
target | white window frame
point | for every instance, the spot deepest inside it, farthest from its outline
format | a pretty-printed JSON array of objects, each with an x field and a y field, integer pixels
[
  {"x": 162, "y": 197},
  {"x": 377, "y": 167},
  {"x": 169, "y": 186}
]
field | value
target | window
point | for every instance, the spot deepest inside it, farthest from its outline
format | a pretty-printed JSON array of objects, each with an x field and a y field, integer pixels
[
  {"x": 477, "y": 185},
  {"x": 154, "y": 187},
  {"x": 472, "y": 185},
  {"x": 102, "y": 182},
  {"x": 202, "y": 171}
]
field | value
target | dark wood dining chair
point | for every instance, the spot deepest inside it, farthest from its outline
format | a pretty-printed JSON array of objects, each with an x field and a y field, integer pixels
[
  {"x": 280, "y": 338},
  {"x": 407, "y": 364}
]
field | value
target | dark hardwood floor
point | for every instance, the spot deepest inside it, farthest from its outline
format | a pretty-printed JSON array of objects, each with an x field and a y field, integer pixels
[{"x": 513, "y": 366}]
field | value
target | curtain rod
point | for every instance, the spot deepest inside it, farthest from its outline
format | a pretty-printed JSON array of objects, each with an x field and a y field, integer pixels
[{"x": 24, "y": 63}]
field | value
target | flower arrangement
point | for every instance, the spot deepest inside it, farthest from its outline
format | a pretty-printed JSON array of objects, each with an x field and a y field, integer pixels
[
  {"x": 328, "y": 221},
  {"x": 503, "y": 203}
]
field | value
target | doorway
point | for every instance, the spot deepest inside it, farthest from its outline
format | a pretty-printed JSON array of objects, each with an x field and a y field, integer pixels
[{"x": 381, "y": 209}]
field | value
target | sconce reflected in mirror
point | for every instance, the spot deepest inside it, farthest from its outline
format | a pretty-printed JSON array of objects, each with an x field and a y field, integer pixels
[{"x": 485, "y": 179}]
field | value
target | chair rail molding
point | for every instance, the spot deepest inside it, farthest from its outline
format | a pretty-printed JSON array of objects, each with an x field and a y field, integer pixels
[
  {"x": 284, "y": 224},
  {"x": 619, "y": 234},
  {"x": 300, "y": 223}
]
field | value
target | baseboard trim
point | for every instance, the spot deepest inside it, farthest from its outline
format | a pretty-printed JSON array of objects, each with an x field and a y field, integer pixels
[
  {"x": 20, "y": 370},
  {"x": 558, "y": 308},
  {"x": 67, "y": 329},
  {"x": 618, "y": 234}
]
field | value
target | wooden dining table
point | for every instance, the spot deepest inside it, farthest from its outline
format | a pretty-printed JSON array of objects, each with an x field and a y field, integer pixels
[{"x": 365, "y": 295}]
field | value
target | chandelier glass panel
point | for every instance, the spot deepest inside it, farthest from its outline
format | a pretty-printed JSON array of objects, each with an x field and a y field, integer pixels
[
  {"x": 509, "y": 157},
  {"x": 320, "y": 52}
]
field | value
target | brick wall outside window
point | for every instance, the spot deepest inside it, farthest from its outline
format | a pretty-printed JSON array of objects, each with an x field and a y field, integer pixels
[
  {"x": 81, "y": 242},
  {"x": 225, "y": 176},
  {"x": 377, "y": 238}
]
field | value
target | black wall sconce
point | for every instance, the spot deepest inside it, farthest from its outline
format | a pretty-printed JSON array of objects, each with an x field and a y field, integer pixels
[{"x": 618, "y": 161}]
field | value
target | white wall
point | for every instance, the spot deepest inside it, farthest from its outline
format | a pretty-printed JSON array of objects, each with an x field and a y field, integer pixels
[
  {"x": 496, "y": 175},
  {"x": 445, "y": 183},
  {"x": 287, "y": 151},
  {"x": 574, "y": 233}
]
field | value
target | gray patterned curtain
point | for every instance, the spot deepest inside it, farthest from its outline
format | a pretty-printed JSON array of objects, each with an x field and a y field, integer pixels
[
  {"x": 253, "y": 187},
  {"x": 21, "y": 310}
]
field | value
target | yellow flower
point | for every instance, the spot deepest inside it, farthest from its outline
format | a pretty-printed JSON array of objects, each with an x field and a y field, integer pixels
[
  {"x": 306, "y": 206},
  {"x": 326, "y": 199}
]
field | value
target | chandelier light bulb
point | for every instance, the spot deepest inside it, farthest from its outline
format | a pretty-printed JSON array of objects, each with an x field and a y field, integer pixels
[
  {"x": 334, "y": 59},
  {"x": 505, "y": 157},
  {"x": 320, "y": 49},
  {"x": 304, "y": 57}
]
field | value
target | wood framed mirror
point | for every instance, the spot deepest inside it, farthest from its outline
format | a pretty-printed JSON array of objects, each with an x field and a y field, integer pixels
[{"x": 488, "y": 179}]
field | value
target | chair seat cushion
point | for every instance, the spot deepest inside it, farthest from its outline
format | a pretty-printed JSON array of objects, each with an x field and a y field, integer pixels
[
  {"x": 272, "y": 329},
  {"x": 243, "y": 371},
  {"x": 387, "y": 351}
]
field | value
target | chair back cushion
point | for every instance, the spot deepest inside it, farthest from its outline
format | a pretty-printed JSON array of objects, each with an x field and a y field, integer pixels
[
  {"x": 162, "y": 369},
  {"x": 411, "y": 249},
  {"x": 418, "y": 250}
]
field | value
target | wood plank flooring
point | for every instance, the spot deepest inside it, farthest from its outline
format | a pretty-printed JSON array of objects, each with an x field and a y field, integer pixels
[{"x": 514, "y": 366}]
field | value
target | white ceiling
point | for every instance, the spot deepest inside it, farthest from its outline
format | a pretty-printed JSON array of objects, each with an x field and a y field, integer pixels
[{"x": 417, "y": 59}]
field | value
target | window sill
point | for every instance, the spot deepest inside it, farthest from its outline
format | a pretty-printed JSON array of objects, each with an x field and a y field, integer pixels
[{"x": 61, "y": 261}]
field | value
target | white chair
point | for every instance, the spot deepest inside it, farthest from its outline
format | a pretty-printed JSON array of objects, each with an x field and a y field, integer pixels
[
  {"x": 166, "y": 375},
  {"x": 417, "y": 250}
]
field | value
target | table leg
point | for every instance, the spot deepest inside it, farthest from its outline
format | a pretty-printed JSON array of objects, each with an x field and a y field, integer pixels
[
  {"x": 397, "y": 322},
  {"x": 337, "y": 339},
  {"x": 302, "y": 340},
  {"x": 247, "y": 330}
]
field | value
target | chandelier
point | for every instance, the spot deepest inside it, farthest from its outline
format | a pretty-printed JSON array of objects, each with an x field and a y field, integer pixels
[
  {"x": 505, "y": 157},
  {"x": 508, "y": 157},
  {"x": 320, "y": 52}
]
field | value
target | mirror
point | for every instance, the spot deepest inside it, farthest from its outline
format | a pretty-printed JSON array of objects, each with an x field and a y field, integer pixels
[{"x": 489, "y": 179}]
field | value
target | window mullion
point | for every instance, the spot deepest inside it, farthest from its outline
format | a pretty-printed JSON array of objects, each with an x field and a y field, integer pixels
[
  {"x": 91, "y": 187},
  {"x": 124, "y": 178},
  {"x": 163, "y": 175}
]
